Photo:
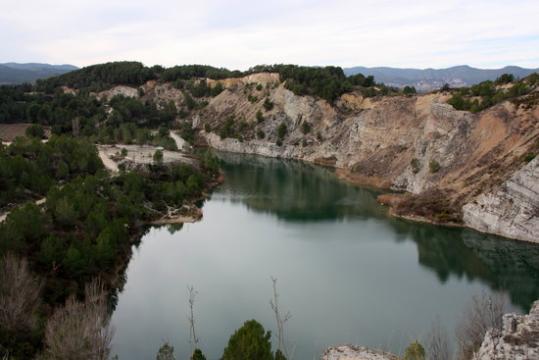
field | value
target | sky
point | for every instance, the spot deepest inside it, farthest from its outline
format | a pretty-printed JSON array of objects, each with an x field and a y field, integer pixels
[{"x": 239, "y": 34}]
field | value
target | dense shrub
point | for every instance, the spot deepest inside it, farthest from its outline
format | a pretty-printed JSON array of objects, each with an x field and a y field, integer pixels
[
  {"x": 434, "y": 166},
  {"x": 186, "y": 72},
  {"x": 486, "y": 94},
  {"x": 35, "y": 131},
  {"x": 250, "y": 341},
  {"x": 29, "y": 167},
  {"x": 281, "y": 131},
  {"x": 102, "y": 76},
  {"x": 268, "y": 104},
  {"x": 305, "y": 128}
]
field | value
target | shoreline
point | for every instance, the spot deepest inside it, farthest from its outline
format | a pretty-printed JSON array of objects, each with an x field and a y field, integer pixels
[{"x": 370, "y": 183}]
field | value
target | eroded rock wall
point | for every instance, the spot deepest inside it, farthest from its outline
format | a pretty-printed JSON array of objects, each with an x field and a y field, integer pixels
[
  {"x": 518, "y": 339},
  {"x": 512, "y": 210},
  {"x": 415, "y": 144},
  {"x": 348, "y": 352}
]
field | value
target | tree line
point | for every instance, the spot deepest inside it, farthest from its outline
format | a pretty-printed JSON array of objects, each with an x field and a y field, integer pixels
[
  {"x": 88, "y": 223},
  {"x": 28, "y": 167},
  {"x": 327, "y": 82},
  {"x": 489, "y": 93}
]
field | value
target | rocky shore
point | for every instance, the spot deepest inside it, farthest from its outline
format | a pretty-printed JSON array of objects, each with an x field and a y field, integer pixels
[{"x": 453, "y": 167}]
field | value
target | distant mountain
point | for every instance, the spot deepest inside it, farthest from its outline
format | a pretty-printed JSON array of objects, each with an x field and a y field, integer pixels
[
  {"x": 14, "y": 73},
  {"x": 430, "y": 79}
]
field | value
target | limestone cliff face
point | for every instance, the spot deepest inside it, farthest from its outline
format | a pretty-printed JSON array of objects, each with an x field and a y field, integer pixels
[
  {"x": 348, "y": 352},
  {"x": 512, "y": 210},
  {"x": 518, "y": 340},
  {"x": 419, "y": 145}
]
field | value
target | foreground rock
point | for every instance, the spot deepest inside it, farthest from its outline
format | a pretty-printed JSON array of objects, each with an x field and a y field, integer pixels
[
  {"x": 518, "y": 340},
  {"x": 348, "y": 352}
]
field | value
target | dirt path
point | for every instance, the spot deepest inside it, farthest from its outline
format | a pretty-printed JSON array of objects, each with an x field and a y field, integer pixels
[
  {"x": 108, "y": 162},
  {"x": 180, "y": 142},
  {"x": 4, "y": 215}
]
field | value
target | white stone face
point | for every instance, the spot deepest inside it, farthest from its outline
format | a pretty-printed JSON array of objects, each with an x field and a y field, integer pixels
[
  {"x": 518, "y": 340},
  {"x": 511, "y": 211},
  {"x": 348, "y": 352}
]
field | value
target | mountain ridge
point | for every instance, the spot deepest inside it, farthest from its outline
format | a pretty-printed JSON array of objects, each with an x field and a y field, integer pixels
[
  {"x": 12, "y": 73},
  {"x": 431, "y": 79}
]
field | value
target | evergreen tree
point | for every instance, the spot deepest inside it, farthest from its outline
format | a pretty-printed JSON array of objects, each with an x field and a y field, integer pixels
[
  {"x": 198, "y": 355},
  {"x": 249, "y": 342},
  {"x": 166, "y": 352},
  {"x": 414, "y": 351}
]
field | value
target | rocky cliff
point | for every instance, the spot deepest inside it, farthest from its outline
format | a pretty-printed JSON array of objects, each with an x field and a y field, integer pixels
[
  {"x": 348, "y": 352},
  {"x": 449, "y": 166},
  {"x": 518, "y": 339}
]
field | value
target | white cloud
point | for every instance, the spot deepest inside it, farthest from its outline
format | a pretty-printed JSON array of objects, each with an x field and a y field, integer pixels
[{"x": 239, "y": 34}]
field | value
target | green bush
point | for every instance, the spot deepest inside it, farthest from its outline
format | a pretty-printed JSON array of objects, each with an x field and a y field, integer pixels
[
  {"x": 268, "y": 104},
  {"x": 249, "y": 342},
  {"x": 409, "y": 90},
  {"x": 35, "y": 131},
  {"x": 414, "y": 351},
  {"x": 281, "y": 131},
  {"x": 504, "y": 79},
  {"x": 166, "y": 352},
  {"x": 228, "y": 129},
  {"x": 305, "y": 128},
  {"x": 434, "y": 166},
  {"x": 259, "y": 117},
  {"x": 158, "y": 157},
  {"x": 416, "y": 165},
  {"x": 529, "y": 157},
  {"x": 198, "y": 355}
]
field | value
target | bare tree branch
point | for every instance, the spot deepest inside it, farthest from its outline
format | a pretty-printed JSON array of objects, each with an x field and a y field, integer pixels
[
  {"x": 485, "y": 312},
  {"x": 192, "y": 333},
  {"x": 80, "y": 330},
  {"x": 437, "y": 343},
  {"x": 281, "y": 320},
  {"x": 19, "y": 294}
]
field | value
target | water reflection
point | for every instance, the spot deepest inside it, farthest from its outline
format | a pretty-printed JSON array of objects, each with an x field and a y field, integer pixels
[
  {"x": 299, "y": 192},
  {"x": 347, "y": 271},
  {"x": 503, "y": 264},
  {"x": 294, "y": 191}
]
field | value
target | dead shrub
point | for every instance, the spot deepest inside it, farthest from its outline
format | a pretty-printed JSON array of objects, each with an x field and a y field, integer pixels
[{"x": 80, "y": 330}]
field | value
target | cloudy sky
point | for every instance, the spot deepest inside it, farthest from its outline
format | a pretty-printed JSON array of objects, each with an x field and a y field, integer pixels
[{"x": 238, "y": 34}]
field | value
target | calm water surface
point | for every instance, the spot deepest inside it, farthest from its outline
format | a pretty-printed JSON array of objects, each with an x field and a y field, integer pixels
[{"x": 346, "y": 271}]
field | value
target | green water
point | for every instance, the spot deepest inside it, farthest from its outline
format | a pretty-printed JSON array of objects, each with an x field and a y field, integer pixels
[{"x": 346, "y": 271}]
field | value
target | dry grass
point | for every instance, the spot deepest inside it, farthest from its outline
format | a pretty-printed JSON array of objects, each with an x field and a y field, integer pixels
[
  {"x": 19, "y": 295},
  {"x": 485, "y": 312},
  {"x": 80, "y": 330}
]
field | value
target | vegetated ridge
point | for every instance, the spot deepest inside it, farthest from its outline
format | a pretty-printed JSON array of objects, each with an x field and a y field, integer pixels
[
  {"x": 463, "y": 157},
  {"x": 431, "y": 79}
]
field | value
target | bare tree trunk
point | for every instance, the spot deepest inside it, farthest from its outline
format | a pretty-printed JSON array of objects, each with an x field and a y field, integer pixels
[
  {"x": 485, "y": 312},
  {"x": 192, "y": 333},
  {"x": 438, "y": 345},
  {"x": 80, "y": 330},
  {"x": 280, "y": 320},
  {"x": 19, "y": 294}
]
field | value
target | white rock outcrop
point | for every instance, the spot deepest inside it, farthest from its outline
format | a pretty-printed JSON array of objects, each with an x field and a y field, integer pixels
[
  {"x": 518, "y": 340},
  {"x": 511, "y": 211},
  {"x": 348, "y": 352}
]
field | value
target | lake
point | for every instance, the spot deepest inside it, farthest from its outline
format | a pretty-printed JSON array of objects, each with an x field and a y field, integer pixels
[{"x": 347, "y": 272}]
